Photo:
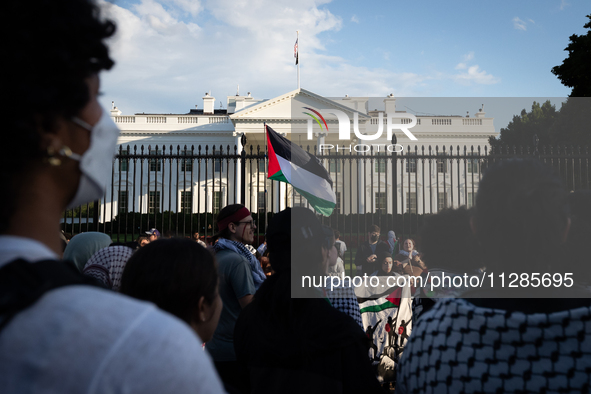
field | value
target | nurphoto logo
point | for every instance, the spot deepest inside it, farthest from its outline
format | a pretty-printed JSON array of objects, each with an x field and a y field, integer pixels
[{"x": 407, "y": 121}]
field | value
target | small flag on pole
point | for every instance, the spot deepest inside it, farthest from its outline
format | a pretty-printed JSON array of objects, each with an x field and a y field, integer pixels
[
  {"x": 291, "y": 164},
  {"x": 295, "y": 51}
]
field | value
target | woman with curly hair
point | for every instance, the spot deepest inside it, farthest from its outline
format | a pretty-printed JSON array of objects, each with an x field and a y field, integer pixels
[{"x": 58, "y": 334}]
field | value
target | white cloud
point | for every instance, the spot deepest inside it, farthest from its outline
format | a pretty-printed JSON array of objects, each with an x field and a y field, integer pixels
[
  {"x": 165, "y": 61},
  {"x": 476, "y": 75},
  {"x": 563, "y": 4},
  {"x": 354, "y": 19},
  {"x": 193, "y": 7},
  {"x": 473, "y": 74},
  {"x": 519, "y": 24},
  {"x": 468, "y": 56}
]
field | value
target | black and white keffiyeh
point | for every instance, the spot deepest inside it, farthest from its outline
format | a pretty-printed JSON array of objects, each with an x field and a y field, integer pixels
[
  {"x": 258, "y": 275},
  {"x": 107, "y": 265},
  {"x": 459, "y": 347},
  {"x": 344, "y": 299}
]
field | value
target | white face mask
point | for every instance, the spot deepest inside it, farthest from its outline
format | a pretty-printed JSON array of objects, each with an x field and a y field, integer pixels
[{"x": 96, "y": 162}]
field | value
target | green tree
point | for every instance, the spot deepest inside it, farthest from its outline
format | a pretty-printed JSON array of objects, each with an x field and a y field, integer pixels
[
  {"x": 521, "y": 130},
  {"x": 571, "y": 127},
  {"x": 574, "y": 71}
]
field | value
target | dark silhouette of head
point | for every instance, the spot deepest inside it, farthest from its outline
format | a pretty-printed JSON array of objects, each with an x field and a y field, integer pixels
[
  {"x": 447, "y": 241},
  {"x": 521, "y": 216}
]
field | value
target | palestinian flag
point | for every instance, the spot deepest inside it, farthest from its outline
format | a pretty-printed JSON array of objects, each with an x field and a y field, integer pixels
[
  {"x": 291, "y": 164},
  {"x": 383, "y": 303}
]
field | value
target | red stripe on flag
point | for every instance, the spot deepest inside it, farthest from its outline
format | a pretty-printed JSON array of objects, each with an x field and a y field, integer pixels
[
  {"x": 395, "y": 296},
  {"x": 273, "y": 163}
]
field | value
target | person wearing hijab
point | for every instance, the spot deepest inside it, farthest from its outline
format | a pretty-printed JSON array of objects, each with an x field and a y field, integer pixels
[
  {"x": 392, "y": 242},
  {"x": 83, "y": 246},
  {"x": 388, "y": 267},
  {"x": 290, "y": 338},
  {"x": 107, "y": 265}
]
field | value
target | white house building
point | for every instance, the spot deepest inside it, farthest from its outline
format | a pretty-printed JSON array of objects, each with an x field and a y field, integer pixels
[{"x": 362, "y": 179}]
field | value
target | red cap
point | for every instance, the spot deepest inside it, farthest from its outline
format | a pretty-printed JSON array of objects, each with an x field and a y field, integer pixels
[{"x": 236, "y": 217}]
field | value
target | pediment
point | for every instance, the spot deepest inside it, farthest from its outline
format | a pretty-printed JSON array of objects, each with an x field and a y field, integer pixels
[
  {"x": 290, "y": 106},
  {"x": 214, "y": 184}
]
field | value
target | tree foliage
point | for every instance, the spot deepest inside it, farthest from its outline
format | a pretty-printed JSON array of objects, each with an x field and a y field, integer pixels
[
  {"x": 522, "y": 129},
  {"x": 574, "y": 71},
  {"x": 568, "y": 125}
]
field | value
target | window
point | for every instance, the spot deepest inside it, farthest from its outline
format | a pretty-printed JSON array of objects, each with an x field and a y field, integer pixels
[
  {"x": 337, "y": 207},
  {"x": 154, "y": 202},
  {"x": 186, "y": 201},
  {"x": 218, "y": 163},
  {"x": 471, "y": 199},
  {"x": 441, "y": 200},
  {"x": 123, "y": 162},
  {"x": 380, "y": 201},
  {"x": 411, "y": 202},
  {"x": 217, "y": 202},
  {"x": 156, "y": 164},
  {"x": 441, "y": 163},
  {"x": 411, "y": 163},
  {"x": 123, "y": 206},
  {"x": 262, "y": 165},
  {"x": 261, "y": 201},
  {"x": 334, "y": 165},
  {"x": 299, "y": 200},
  {"x": 186, "y": 164},
  {"x": 380, "y": 163},
  {"x": 473, "y": 164}
]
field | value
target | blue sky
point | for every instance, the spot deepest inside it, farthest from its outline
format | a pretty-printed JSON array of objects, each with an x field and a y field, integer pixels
[{"x": 169, "y": 52}]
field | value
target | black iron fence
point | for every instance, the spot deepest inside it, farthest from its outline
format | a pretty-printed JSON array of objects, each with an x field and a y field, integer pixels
[{"x": 179, "y": 190}]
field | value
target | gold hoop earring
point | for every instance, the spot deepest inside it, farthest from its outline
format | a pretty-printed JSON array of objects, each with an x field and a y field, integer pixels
[
  {"x": 51, "y": 159},
  {"x": 64, "y": 151},
  {"x": 67, "y": 152}
]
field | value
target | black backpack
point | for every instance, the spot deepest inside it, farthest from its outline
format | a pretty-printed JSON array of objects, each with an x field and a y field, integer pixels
[{"x": 23, "y": 283}]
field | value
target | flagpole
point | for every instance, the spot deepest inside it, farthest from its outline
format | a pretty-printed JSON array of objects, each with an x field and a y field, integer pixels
[
  {"x": 298, "y": 41},
  {"x": 266, "y": 176}
]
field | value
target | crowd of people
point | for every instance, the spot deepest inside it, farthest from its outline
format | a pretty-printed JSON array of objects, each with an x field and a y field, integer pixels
[{"x": 175, "y": 314}]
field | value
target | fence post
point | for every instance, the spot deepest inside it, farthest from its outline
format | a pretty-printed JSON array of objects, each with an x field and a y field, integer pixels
[
  {"x": 394, "y": 180},
  {"x": 95, "y": 215},
  {"x": 243, "y": 171}
]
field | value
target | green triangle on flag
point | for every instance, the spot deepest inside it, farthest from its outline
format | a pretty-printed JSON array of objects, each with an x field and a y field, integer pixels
[{"x": 278, "y": 176}]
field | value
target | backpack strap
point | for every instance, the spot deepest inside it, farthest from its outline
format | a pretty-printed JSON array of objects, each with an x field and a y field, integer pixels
[{"x": 23, "y": 283}]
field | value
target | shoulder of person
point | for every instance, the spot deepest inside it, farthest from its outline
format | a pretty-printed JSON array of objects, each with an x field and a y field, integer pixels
[
  {"x": 229, "y": 256},
  {"x": 173, "y": 359},
  {"x": 108, "y": 331},
  {"x": 383, "y": 245}
]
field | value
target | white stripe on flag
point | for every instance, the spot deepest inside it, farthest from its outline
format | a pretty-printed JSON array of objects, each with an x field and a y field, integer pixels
[{"x": 305, "y": 180}]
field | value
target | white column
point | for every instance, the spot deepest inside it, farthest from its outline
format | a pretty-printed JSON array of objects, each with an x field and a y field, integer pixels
[{"x": 238, "y": 170}]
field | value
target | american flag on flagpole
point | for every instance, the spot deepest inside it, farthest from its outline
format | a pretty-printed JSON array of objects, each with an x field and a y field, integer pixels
[{"x": 295, "y": 51}]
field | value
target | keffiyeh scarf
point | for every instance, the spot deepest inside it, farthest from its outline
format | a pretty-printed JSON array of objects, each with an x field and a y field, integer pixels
[
  {"x": 258, "y": 276},
  {"x": 107, "y": 265}
]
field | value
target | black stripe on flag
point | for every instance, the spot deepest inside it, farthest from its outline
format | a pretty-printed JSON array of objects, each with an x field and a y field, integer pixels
[{"x": 296, "y": 155}]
